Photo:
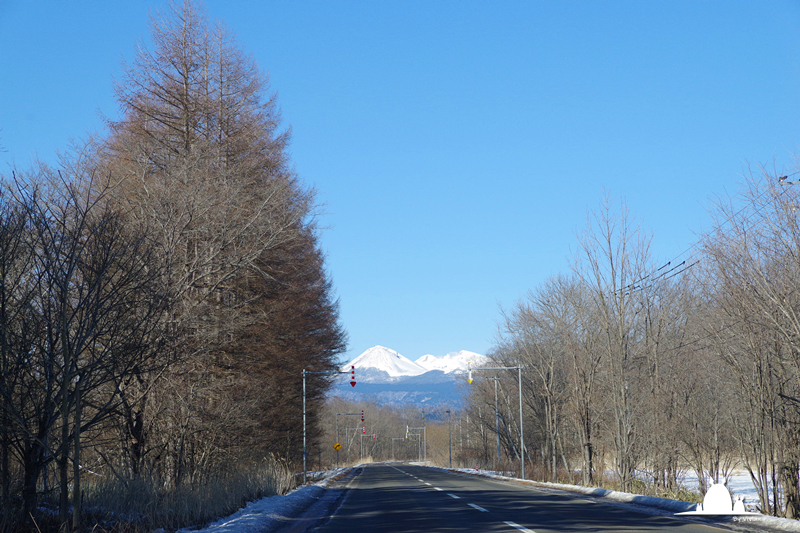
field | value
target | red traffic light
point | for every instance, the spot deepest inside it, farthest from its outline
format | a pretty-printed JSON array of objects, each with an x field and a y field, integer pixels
[{"x": 352, "y": 376}]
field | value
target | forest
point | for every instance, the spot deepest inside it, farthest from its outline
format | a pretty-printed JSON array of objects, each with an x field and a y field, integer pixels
[
  {"x": 151, "y": 284},
  {"x": 635, "y": 371}
]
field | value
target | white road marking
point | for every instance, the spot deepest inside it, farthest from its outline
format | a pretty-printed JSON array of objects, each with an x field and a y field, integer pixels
[
  {"x": 524, "y": 529},
  {"x": 478, "y": 507},
  {"x": 437, "y": 488},
  {"x": 427, "y": 483},
  {"x": 454, "y": 496}
]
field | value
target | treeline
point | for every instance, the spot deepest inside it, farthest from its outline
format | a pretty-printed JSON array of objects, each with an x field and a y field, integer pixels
[
  {"x": 161, "y": 290},
  {"x": 434, "y": 434},
  {"x": 650, "y": 368}
]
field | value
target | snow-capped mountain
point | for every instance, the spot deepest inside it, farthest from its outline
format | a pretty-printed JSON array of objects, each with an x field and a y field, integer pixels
[
  {"x": 452, "y": 362},
  {"x": 384, "y": 375},
  {"x": 386, "y": 360}
]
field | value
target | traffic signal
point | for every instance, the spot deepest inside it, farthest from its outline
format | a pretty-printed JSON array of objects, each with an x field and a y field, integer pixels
[{"x": 352, "y": 376}]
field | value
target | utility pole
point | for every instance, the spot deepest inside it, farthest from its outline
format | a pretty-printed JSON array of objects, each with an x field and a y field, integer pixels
[
  {"x": 348, "y": 441},
  {"x": 449, "y": 440},
  {"x": 327, "y": 373},
  {"x": 337, "y": 430},
  {"x": 496, "y": 417},
  {"x": 419, "y": 444},
  {"x": 424, "y": 443},
  {"x": 518, "y": 368},
  {"x": 363, "y": 435},
  {"x": 401, "y": 439}
]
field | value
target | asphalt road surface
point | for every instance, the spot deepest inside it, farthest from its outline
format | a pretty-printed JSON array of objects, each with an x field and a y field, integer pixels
[{"x": 402, "y": 498}]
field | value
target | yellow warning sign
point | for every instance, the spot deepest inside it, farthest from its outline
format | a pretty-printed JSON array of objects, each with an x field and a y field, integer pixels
[{"x": 337, "y": 446}]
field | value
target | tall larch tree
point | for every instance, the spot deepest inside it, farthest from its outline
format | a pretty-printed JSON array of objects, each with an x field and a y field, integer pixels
[{"x": 203, "y": 167}]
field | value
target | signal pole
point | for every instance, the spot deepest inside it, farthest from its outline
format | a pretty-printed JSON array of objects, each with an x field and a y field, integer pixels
[
  {"x": 327, "y": 373},
  {"x": 518, "y": 368},
  {"x": 496, "y": 417},
  {"x": 449, "y": 440},
  {"x": 337, "y": 429},
  {"x": 425, "y": 445},
  {"x": 401, "y": 439}
]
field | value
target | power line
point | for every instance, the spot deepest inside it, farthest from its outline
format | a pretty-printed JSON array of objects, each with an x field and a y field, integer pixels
[{"x": 692, "y": 248}]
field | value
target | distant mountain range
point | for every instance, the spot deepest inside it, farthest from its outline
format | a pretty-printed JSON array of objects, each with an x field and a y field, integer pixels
[{"x": 385, "y": 376}]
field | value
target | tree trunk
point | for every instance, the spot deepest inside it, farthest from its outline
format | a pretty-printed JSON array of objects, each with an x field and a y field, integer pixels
[
  {"x": 76, "y": 461},
  {"x": 32, "y": 466}
]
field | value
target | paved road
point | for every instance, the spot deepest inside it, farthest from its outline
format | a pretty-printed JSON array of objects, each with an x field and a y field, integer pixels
[{"x": 399, "y": 498}]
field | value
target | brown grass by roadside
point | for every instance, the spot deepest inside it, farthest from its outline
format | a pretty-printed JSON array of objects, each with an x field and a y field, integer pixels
[{"x": 144, "y": 505}]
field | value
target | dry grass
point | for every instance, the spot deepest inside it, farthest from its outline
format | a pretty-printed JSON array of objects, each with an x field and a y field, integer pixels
[{"x": 144, "y": 504}]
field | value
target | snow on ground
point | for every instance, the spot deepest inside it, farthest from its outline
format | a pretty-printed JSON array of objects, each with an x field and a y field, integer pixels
[
  {"x": 738, "y": 484},
  {"x": 270, "y": 513},
  {"x": 667, "y": 507}
]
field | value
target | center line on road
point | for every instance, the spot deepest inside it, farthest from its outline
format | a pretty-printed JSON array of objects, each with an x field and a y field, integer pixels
[
  {"x": 437, "y": 488},
  {"x": 454, "y": 496},
  {"x": 525, "y": 529},
  {"x": 478, "y": 507},
  {"x": 427, "y": 483}
]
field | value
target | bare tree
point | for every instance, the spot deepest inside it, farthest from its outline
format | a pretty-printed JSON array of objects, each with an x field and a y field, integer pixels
[
  {"x": 534, "y": 335},
  {"x": 78, "y": 316},
  {"x": 615, "y": 259},
  {"x": 753, "y": 251}
]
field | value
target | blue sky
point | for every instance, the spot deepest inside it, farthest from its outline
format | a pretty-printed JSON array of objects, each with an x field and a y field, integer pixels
[{"x": 457, "y": 145}]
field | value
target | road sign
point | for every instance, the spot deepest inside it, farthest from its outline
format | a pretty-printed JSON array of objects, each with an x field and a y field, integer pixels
[{"x": 337, "y": 446}]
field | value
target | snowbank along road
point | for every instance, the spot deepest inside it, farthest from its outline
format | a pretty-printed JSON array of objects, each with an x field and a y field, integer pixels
[{"x": 399, "y": 497}]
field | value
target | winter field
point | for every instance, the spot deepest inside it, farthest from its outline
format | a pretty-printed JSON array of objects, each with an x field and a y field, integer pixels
[{"x": 739, "y": 484}]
